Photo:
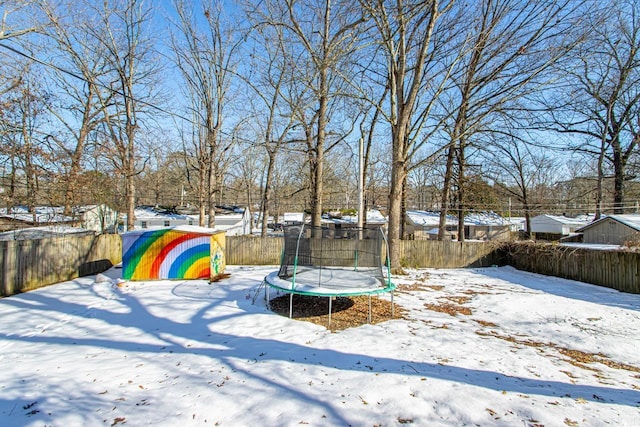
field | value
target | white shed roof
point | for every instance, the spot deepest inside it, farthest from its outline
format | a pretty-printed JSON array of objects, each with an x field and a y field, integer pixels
[{"x": 560, "y": 219}]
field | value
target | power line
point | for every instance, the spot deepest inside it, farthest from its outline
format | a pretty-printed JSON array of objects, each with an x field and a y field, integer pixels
[{"x": 114, "y": 91}]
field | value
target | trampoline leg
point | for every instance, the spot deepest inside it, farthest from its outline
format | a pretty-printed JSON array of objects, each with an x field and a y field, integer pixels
[
  {"x": 330, "y": 311},
  {"x": 392, "y": 307},
  {"x": 291, "y": 306}
]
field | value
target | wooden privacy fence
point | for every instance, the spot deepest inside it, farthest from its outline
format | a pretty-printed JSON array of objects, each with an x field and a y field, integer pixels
[
  {"x": 251, "y": 250},
  {"x": 248, "y": 250},
  {"x": 616, "y": 269},
  {"x": 449, "y": 254},
  {"x": 30, "y": 264}
]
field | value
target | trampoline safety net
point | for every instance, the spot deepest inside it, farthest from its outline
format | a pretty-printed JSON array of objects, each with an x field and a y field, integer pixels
[{"x": 327, "y": 248}]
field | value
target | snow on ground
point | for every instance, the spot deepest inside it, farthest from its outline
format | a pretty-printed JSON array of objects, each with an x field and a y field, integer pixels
[{"x": 514, "y": 349}]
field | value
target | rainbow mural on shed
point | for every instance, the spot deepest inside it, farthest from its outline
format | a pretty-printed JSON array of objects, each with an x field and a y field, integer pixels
[{"x": 182, "y": 252}]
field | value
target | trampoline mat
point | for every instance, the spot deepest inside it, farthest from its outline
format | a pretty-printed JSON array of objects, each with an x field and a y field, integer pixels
[{"x": 328, "y": 281}]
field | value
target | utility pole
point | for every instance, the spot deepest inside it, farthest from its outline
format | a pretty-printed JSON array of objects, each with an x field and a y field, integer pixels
[{"x": 361, "y": 213}]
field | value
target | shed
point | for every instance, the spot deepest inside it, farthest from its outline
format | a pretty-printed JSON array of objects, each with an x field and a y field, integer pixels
[
  {"x": 556, "y": 224},
  {"x": 182, "y": 252},
  {"x": 611, "y": 229}
]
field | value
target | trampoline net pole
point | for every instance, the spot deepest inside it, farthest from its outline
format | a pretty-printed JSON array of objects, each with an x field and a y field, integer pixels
[
  {"x": 295, "y": 260},
  {"x": 355, "y": 260},
  {"x": 388, "y": 258}
]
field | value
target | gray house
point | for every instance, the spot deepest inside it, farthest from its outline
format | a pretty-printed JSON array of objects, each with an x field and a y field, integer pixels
[{"x": 611, "y": 230}]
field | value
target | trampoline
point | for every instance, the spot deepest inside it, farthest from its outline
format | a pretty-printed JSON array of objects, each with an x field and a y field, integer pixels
[{"x": 332, "y": 262}]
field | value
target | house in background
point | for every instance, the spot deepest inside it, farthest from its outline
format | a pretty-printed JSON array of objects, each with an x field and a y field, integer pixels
[
  {"x": 99, "y": 218},
  {"x": 423, "y": 225},
  {"x": 44, "y": 232},
  {"x": 150, "y": 217},
  {"x": 237, "y": 224},
  {"x": 517, "y": 223},
  {"x": 373, "y": 217},
  {"x": 612, "y": 230},
  {"x": 19, "y": 217},
  {"x": 96, "y": 218},
  {"x": 486, "y": 226},
  {"x": 553, "y": 227},
  {"x": 232, "y": 223},
  {"x": 293, "y": 218}
]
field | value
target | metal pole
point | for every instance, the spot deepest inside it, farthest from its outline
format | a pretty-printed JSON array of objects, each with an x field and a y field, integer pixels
[
  {"x": 361, "y": 213},
  {"x": 291, "y": 306}
]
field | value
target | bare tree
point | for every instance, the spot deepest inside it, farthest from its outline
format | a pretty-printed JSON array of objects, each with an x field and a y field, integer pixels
[
  {"x": 508, "y": 46},
  {"x": 518, "y": 170},
  {"x": 320, "y": 36},
  {"x": 267, "y": 76},
  {"x": 121, "y": 29},
  {"x": 17, "y": 19},
  {"x": 603, "y": 84},
  {"x": 406, "y": 34},
  {"x": 79, "y": 66},
  {"x": 22, "y": 142},
  {"x": 206, "y": 59}
]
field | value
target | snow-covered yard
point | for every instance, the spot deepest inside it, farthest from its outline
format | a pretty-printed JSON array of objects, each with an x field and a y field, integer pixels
[{"x": 490, "y": 346}]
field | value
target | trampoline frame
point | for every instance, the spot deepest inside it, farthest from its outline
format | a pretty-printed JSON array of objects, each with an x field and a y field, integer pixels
[{"x": 300, "y": 286}]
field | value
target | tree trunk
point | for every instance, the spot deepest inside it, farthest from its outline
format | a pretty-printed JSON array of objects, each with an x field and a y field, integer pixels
[
  {"x": 446, "y": 190},
  {"x": 266, "y": 198},
  {"x": 461, "y": 193},
  {"x": 398, "y": 177}
]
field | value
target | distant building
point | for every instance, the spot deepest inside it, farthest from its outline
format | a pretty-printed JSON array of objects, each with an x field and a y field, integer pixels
[
  {"x": 553, "y": 227},
  {"x": 611, "y": 229},
  {"x": 486, "y": 226},
  {"x": 293, "y": 218},
  {"x": 150, "y": 217},
  {"x": 97, "y": 218},
  {"x": 43, "y": 232},
  {"x": 232, "y": 224},
  {"x": 20, "y": 217},
  {"x": 373, "y": 217},
  {"x": 423, "y": 225},
  {"x": 517, "y": 223}
]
